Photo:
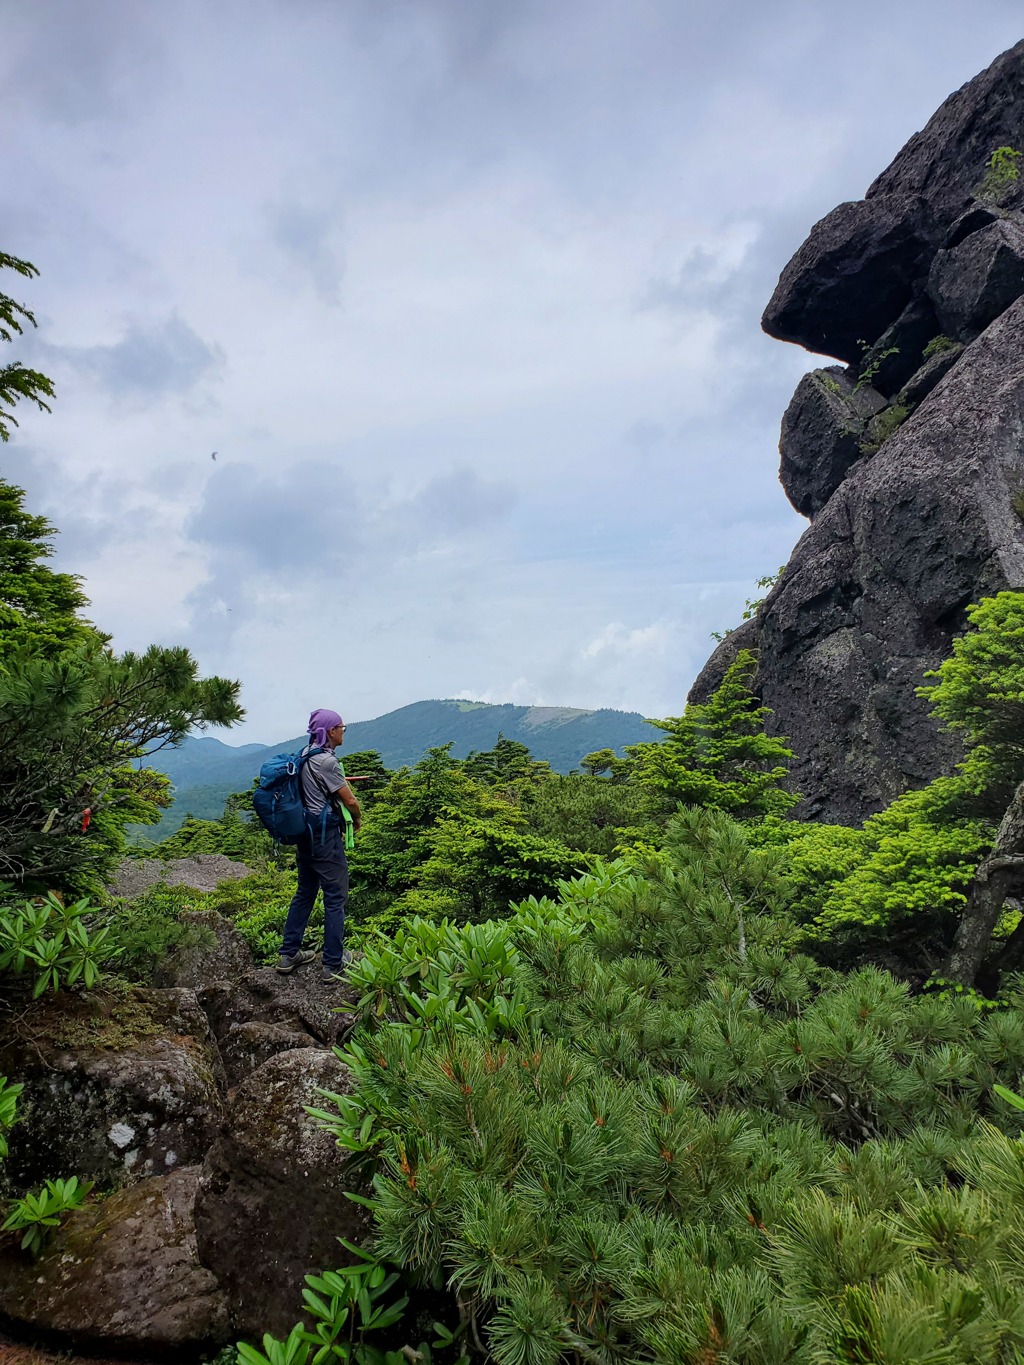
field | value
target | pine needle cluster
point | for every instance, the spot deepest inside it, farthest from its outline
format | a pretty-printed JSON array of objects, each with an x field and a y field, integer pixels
[{"x": 636, "y": 1124}]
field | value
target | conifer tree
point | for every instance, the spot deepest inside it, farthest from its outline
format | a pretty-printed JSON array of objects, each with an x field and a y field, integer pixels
[
  {"x": 717, "y": 754},
  {"x": 39, "y": 608},
  {"x": 73, "y": 729},
  {"x": 75, "y": 719},
  {"x": 980, "y": 695},
  {"x": 16, "y": 381}
]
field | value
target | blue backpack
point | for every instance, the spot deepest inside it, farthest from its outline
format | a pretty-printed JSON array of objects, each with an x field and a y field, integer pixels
[{"x": 278, "y": 799}]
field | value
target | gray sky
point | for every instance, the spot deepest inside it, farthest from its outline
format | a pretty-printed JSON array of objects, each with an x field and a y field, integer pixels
[{"x": 464, "y": 294}]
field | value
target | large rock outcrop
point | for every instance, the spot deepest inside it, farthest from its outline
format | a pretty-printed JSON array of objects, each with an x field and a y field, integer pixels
[
  {"x": 910, "y": 462},
  {"x": 216, "y": 1191},
  {"x": 114, "y": 1089},
  {"x": 861, "y": 263},
  {"x": 271, "y": 1202}
]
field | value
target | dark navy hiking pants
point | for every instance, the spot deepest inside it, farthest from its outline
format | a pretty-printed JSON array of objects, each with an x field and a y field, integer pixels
[{"x": 322, "y": 866}]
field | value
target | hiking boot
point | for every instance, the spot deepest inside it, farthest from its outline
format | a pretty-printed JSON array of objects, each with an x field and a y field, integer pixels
[
  {"x": 288, "y": 964},
  {"x": 336, "y": 973}
]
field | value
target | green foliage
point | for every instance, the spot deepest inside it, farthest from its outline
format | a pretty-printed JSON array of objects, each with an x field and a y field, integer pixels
[
  {"x": 917, "y": 865},
  {"x": 585, "y": 812},
  {"x": 144, "y": 931},
  {"x": 70, "y": 728},
  {"x": 880, "y": 428},
  {"x": 16, "y": 381},
  {"x": 895, "y": 886},
  {"x": 368, "y": 766},
  {"x": 436, "y": 838},
  {"x": 509, "y": 762},
  {"x": 754, "y": 604},
  {"x": 236, "y": 835},
  {"x": 36, "y": 1214},
  {"x": 258, "y": 908},
  {"x": 38, "y": 607},
  {"x": 9, "y": 1092},
  {"x": 717, "y": 754},
  {"x": 54, "y": 942},
  {"x": 637, "y": 1124},
  {"x": 871, "y": 367},
  {"x": 980, "y": 694},
  {"x": 1001, "y": 174},
  {"x": 345, "y": 1306},
  {"x": 484, "y": 864},
  {"x": 606, "y": 763},
  {"x": 938, "y": 346}
]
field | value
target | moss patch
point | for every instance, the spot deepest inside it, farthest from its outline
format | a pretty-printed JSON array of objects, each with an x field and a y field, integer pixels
[
  {"x": 880, "y": 428},
  {"x": 109, "y": 1020}
]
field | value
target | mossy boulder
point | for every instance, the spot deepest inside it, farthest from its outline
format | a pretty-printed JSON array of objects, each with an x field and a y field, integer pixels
[
  {"x": 123, "y": 1273},
  {"x": 117, "y": 1086}
]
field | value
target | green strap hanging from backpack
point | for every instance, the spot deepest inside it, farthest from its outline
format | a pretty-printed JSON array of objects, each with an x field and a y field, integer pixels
[{"x": 350, "y": 834}]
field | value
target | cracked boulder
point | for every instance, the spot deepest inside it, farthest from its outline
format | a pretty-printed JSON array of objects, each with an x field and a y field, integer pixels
[
  {"x": 851, "y": 278},
  {"x": 300, "y": 1001},
  {"x": 271, "y": 1202},
  {"x": 214, "y": 951},
  {"x": 821, "y": 435},
  {"x": 975, "y": 281},
  {"x": 247, "y": 1046},
  {"x": 920, "y": 384},
  {"x": 123, "y": 1275},
  {"x": 116, "y": 1087}
]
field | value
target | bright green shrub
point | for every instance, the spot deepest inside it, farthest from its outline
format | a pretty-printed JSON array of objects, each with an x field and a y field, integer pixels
[
  {"x": 147, "y": 929},
  {"x": 897, "y": 884},
  {"x": 817, "y": 857},
  {"x": 637, "y": 1124},
  {"x": 9, "y": 1092},
  {"x": 53, "y": 942},
  {"x": 483, "y": 864},
  {"x": 258, "y": 907},
  {"x": 36, "y": 1214},
  {"x": 913, "y": 878},
  {"x": 717, "y": 754}
]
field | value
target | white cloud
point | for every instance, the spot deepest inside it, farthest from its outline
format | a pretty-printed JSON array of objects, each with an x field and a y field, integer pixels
[
  {"x": 650, "y": 642},
  {"x": 466, "y": 298}
]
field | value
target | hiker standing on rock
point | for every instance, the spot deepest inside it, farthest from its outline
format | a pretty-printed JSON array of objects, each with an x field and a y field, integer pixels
[{"x": 320, "y": 851}]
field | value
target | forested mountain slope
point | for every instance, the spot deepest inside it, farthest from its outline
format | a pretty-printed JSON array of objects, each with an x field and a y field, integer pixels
[{"x": 205, "y": 770}]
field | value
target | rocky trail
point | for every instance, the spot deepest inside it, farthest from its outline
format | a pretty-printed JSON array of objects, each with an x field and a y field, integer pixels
[{"x": 186, "y": 1105}]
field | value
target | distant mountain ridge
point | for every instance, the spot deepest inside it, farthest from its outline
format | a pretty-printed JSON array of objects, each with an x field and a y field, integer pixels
[{"x": 205, "y": 770}]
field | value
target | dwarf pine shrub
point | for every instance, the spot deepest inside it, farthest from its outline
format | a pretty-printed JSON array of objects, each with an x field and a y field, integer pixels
[{"x": 636, "y": 1123}]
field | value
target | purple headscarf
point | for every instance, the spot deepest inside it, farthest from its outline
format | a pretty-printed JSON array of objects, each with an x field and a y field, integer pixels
[{"x": 320, "y": 722}]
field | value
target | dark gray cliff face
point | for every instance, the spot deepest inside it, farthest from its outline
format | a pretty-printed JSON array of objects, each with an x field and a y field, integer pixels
[{"x": 910, "y": 465}]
